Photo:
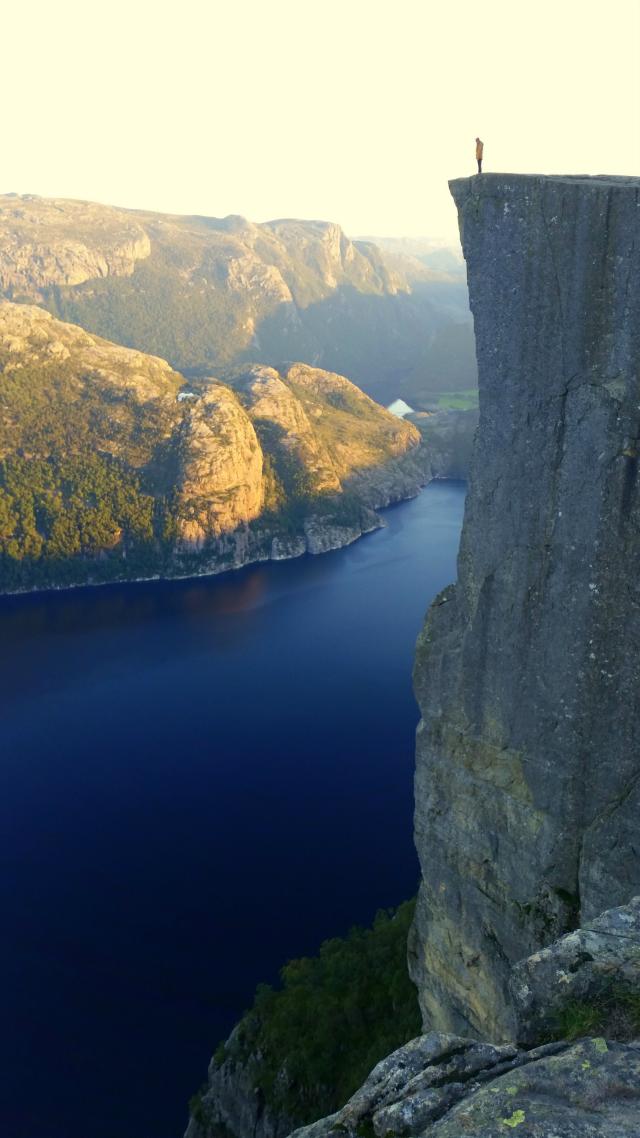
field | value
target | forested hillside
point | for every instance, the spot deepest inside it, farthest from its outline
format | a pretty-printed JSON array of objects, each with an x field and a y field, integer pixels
[
  {"x": 111, "y": 467},
  {"x": 205, "y": 293}
]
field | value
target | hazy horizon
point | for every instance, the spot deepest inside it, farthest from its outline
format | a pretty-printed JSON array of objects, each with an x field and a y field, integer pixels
[
  {"x": 353, "y": 113},
  {"x": 434, "y": 239}
]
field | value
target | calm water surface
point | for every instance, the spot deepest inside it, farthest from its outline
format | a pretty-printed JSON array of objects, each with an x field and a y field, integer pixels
[{"x": 199, "y": 780}]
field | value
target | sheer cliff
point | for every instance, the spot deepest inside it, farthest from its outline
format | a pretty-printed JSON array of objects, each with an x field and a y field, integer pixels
[
  {"x": 528, "y": 679},
  {"x": 527, "y": 670}
]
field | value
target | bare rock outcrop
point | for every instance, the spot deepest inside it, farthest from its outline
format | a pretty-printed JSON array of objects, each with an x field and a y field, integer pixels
[
  {"x": 220, "y": 481},
  {"x": 273, "y": 405},
  {"x": 527, "y": 671},
  {"x": 528, "y": 678},
  {"x": 596, "y": 967},
  {"x": 231, "y": 1104},
  {"x": 206, "y": 293},
  {"x": 31, "y": 337},
  {"x": 444, "y": 1086},
  {"x": 49, "y": 241},
  {"x": 112, "y": 468}
]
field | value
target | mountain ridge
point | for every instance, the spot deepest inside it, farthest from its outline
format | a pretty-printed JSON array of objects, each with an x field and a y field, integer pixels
[
  {"x": 112, "y": 468},
  {"x": 205, "y": 293}
]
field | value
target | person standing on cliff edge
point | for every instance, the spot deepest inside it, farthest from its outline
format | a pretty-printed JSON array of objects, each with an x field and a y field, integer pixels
[{"x": 479, "y": 150}]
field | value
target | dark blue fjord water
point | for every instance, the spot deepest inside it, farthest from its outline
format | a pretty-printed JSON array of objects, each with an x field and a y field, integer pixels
[{"x": 199, "y": 780}]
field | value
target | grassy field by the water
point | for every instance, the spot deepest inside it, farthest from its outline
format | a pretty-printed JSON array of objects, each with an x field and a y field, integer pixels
[{"x": 459, "y": 400}]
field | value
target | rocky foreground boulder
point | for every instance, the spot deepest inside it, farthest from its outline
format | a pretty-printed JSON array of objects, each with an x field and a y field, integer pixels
[
  {"x": 573, "y": 1068},
  {"x": 447, "y": 1086},
  {"x": 593, "y": 971},
  {"x": 443, "y": 1086}
]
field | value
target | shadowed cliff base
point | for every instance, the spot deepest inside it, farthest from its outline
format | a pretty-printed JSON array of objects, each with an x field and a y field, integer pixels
[
  {"x": 527, "y": 674},
  {"x": 560, "y": 1078}
]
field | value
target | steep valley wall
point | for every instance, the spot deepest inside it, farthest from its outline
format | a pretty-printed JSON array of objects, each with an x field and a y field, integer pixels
[
  {"x": 528, "y": 678},
  {"x": 528, "y": 669}
]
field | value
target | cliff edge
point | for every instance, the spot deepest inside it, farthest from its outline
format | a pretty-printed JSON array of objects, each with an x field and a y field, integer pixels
[
  {"x": 527, "y": 927},
  {"x": 527, "y": 670}
]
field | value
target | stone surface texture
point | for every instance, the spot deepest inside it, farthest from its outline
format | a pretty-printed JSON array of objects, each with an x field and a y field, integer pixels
[
  {"x": 231, "y": 1105},
  {"x": 599, "y": 962},
  {"x": 528, "y": 764},
  {"x": 589, "y": 1090},
  {"x": 443, "y": 1086},
  {"x": 49, "y": 241},
  {"x": 527, "y": 670},
  {"x": 221, "y": 483}
]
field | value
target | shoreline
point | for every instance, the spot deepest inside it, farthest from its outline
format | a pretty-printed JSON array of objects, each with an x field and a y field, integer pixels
[{"x": 213, "y": 571}]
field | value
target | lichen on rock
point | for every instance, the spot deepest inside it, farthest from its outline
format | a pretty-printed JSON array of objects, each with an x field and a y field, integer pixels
[
  {"x": 441, "y": 1086},
  {"x": 596, "y": 966}
]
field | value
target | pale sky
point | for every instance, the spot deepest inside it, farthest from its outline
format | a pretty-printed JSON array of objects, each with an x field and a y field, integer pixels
[{"x": 356, "y": 111}]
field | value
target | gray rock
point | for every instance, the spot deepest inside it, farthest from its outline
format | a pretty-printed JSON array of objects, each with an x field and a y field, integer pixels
[
  {"x": 527, "y": 670},
  {"x": 283, "y": 548},
  {"x": 591, "y": 1090},
  {"x": 440, "y": 1086},
  {"x": 600, "y": 962},
  {"x": 527, "y": 673},
  {"x": 231, "y": 1106},
  {"x": 404, "y": 1090}
]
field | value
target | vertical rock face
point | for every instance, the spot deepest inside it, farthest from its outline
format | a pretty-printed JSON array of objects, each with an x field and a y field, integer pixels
[
  {"x": 221, "y": 484},
  {"x": 528, "y": 670}
]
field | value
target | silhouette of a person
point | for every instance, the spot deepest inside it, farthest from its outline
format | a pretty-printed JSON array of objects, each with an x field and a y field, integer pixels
[{"x": 479, "y": 151}]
